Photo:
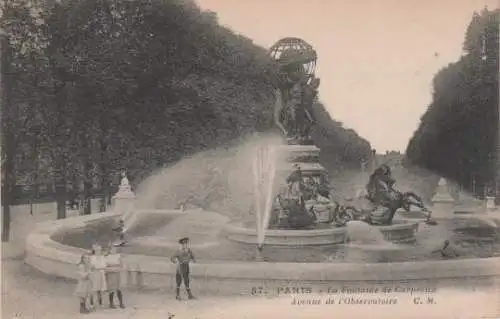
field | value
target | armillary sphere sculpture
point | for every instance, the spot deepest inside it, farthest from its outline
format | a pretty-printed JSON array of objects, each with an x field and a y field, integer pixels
[{"x": 296, "y": 88}]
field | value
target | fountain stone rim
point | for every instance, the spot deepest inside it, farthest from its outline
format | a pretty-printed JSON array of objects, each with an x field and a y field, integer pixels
[
  {"x": 236, "y": 232},
  {"x": 54, "y": 258}
]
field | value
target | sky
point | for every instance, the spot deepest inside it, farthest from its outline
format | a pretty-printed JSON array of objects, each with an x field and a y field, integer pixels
[{"x": 376, "y": 58}]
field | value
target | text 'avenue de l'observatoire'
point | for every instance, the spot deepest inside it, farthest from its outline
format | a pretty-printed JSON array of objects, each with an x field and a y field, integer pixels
[
  {"x": 362, "y": 296},
  {"x": 346, "y": 300}
]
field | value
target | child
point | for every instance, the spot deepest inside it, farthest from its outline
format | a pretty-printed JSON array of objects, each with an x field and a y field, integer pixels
[
  {"x": 113, "y": 280},
  {"x": 97, "y": 277},
  {"x": 182, "y": 258},
  {"x": 83, "y": 287}
]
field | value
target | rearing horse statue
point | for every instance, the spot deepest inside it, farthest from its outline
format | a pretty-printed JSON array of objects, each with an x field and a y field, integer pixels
[
  {"x": 380, "y": 186},
  {"x": 402, "y": 201},
  {"x": 382, "y": 194}
]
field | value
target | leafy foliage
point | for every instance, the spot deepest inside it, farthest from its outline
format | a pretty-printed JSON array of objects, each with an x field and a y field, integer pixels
[
  {"x": 458, "y": 133},
  {"x": 105, "y": 86}
]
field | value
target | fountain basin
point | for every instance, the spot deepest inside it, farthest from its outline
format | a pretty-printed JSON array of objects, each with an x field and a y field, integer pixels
[
  {"x": 238, "y": 277},
  {"x": 371, "y": 253},
  {"x": 241, "y": 233},
  {"x": 242, "y": 277},
  {"x": 399, "y": 232},
  {"x": 158, "y": 241}
]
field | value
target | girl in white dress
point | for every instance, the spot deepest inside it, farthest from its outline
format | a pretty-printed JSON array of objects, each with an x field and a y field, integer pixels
[
  {"x": 98, "y": 275},
  {"x": 83, "y": 287}
]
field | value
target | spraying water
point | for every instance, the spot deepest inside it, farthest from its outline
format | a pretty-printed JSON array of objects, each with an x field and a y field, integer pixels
[
  {"x": 218, "y": 180},
  {"x": 264, "y": 171}
]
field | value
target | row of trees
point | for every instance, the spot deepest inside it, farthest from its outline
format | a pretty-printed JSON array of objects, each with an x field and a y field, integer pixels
[
  {"x": 459, "y": 131},
  {"x": 97, "y": 86}
]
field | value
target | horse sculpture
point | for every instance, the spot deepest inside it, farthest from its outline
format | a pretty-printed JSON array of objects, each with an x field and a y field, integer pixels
[
  {"x": 383, "y": 195},
  {"x": 402, "y": 201},
  {"x": 380, "y": 186}
]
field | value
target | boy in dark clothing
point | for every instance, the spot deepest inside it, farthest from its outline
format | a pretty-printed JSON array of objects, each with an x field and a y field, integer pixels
[{"x": 182, "y": 259}]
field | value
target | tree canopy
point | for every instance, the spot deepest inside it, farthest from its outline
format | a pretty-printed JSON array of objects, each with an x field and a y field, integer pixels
[
  {"x": 458, "y": 132},
  {"x": 98, "y": 86}
]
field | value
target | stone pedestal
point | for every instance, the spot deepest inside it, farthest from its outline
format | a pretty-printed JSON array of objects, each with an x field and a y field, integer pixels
[
  {"x": 490, "y": 203},
  {"x": 443, "y": 203},
  {"x": 304, "y": 157},
  {"x": 123, "y": 201}
]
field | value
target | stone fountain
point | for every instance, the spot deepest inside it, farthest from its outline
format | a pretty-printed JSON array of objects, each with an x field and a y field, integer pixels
[
  {"x": 271, "y": 228},
  {"x": 289, "y": 213},
  {"x": 55, "y": 247}
]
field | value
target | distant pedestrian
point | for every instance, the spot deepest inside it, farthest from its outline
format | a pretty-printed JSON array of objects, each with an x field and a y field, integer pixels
[
  {"x": 182, "y": 259},
  {"x": 98, "y": 276},
  {"x": 114, "y": 268},
  {"x": 84, "y": 287}
]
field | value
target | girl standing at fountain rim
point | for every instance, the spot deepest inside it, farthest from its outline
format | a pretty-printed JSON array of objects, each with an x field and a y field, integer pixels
[
  {"x": 182, "y": 259},
  {"x": 113, "y": 276},
  {"x": 98, "y": 275},
  {"x": 83, "y": 287}
]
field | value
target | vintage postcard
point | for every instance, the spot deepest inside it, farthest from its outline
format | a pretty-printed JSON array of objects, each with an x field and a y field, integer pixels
[{"x": 207, "y": 159}]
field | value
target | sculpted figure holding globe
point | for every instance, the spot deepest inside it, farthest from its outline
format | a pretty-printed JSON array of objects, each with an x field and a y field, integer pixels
[{"x": 296, "y": 89}]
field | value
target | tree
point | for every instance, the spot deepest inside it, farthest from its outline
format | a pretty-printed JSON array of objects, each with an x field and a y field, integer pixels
[
  {"x": 137, "y": 85},
  {"x": 21, "y": 68},
  {"x": 458, "y": 132}
]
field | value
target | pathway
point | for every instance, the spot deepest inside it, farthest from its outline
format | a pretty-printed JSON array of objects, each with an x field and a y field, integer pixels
[{"x": 27, "y": 293}]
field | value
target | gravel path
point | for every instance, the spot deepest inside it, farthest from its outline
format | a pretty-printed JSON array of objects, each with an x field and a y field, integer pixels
[{"x": 27, "y": 293}]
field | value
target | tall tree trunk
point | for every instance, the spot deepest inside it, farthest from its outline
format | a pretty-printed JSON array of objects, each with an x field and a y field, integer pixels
[
  {"x": 86, "y": 150},
  {"x": 59, "y": 147},
  {"x": 75, "y": 181},
  {"x": 60, "y": 188},
  {"x": 8, "y": 145},
  {"x": 87, "y": 188},
  {"x": 8, "y": 181},
  {"x": 106, "y": 198},
  {"x": 60, "y": 169},
  {"x": 105, "y": 184}
]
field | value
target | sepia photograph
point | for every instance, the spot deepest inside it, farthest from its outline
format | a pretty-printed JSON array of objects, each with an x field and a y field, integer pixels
[{"x": 286, "y": 159}]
